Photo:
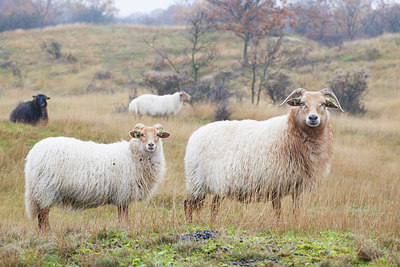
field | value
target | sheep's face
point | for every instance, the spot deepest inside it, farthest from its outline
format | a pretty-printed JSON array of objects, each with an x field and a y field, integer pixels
[
  {"x": 184, "y": 96},
  {"x": 312, "y": 108},
  {"x": 149, "y": 136},
  {"x": 40, "y": 100}
]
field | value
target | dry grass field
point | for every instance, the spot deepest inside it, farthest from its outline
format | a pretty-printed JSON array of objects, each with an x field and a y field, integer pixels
[{"x": 352, "y": 217}]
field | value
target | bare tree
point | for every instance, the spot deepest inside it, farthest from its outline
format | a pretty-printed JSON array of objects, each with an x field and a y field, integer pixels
[
  {"x": 349, "y": 14},
  {"x": 200, "y": 27},
  {"x": 267, "y": 58},
  {"x": 200, "y": 51},
  {"x": 250, "y": 19},
  {"x": 162, "y": 52}
]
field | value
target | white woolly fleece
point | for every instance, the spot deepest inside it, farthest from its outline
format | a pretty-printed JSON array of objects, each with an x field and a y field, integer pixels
[
  {"x": 251, "y": 159},
  {"x": 78, "y": 174},
  {"x": 156, "y": 105}
]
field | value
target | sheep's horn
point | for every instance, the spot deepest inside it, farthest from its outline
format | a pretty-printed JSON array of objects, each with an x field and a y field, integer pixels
[
  {"x": 158, "y": 126},
  {"x": 329, "y": 92},
  {"x": 138, "y": 126},
  {"x": 298, "y": 91}
]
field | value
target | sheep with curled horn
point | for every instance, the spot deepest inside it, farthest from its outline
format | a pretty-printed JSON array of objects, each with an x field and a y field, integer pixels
[{"x": 262, "y": 160}]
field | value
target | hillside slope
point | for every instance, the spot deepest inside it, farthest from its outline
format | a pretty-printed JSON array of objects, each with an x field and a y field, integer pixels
[{"x": 353, "y": 217}]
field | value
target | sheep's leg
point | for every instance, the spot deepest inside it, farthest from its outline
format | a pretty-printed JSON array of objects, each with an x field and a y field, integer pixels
[
  {"x": 191, "y": 204},
  {"x": 43, "y": 219},
  {"x": 216, "y": 203},
  {"x": 188, "y": 205},
  {"x": 296, "y": 204},
  {"x": 276, "y": 204},
  {"x": 123, "y": 212}
]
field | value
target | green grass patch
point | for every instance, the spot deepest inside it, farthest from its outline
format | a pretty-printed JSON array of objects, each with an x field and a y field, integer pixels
[{"x": 111, "y": 247}]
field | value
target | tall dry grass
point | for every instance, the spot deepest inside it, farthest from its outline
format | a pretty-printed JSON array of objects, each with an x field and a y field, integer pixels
[{"x": 361, "y": 194}]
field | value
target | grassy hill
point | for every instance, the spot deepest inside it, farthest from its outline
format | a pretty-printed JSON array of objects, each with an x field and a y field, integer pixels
[{"x": 353, "y": 217}]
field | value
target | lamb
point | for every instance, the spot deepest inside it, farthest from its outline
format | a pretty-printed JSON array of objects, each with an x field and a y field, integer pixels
[
  {"x": 262, "y": 160},
  {"x": 81, "y": 175},
  {"x": 31, "y": 111},
  {"x": 158, "y": 105}
]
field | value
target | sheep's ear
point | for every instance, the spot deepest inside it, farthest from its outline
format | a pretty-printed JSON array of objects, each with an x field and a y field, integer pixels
[
  {"x": 330, "y": 103},
  {"x": 34, "y": 96},
  {"x": 134, "y": 134},
  {"x": 294, "y": 102},
  {"x": 163, "y": 134},
  {"x": 47, "y": 98}
]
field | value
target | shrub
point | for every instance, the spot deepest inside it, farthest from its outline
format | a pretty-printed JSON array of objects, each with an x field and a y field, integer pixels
[
  {"x": 51, "y": 47},
  {"x": 101, "y": 83},
  {"x": 103, "y": 75},
  {"x": 367, "y": 250},
  {"x": 397, "y": 41},
  {"x": 91, "y": 14},
  {"x": 71, "y": 58},
  {"x": 120, "y": 107},
  {"x": 20, "y": 19},
  {"x": 163, "y": 82},
  {"x": 372, "y": 54},
  {"x": 215, "y": 87},
  {"x": 222, "y": 111},
  {"x": 350, "y": 87},
  {"x": 277, "y": 86}
]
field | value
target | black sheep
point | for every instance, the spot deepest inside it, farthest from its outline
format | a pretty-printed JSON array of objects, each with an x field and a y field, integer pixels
[{"x": 31, "y": 111}]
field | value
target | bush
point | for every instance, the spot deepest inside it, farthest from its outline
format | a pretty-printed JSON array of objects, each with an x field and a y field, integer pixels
[
  {"x": 101, "y": 83},
  {"x": 120, "y": 107},
  {"x": 223, "y": 111},
  {"x": 103, "y": 75},
  {"x": 215, "y": 87},
  {"x": 51, "y": 47},
  {"x": 277, "y": 86},
  {"x": 163, "y": 82},
  {"x": 91, "y": 14},
  {"x": 350, "y": 87},
  {"x": 367, "y": 250},
  {"x": 20, "y": 20},
  {"x": 372, "y": 54}
]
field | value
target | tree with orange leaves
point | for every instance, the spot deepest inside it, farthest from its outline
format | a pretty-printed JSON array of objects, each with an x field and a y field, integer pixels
[
  {"x": 314, "y": 18},
  {"x": 250, "y": 19},
  {"x": 349, "y": 14},
  {"x": 26, "y": 13}
]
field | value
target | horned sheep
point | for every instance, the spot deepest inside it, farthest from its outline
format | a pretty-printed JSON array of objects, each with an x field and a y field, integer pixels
[
  {"x": 158, "y": 105},
  {"x": 262, "y": 160},
  {"x": 80, "y": 175},
  {"x": 31, "y": 111}
]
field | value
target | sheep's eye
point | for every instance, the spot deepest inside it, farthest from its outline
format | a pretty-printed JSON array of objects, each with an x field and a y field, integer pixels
[
  {"x": 141, "y": 135},
  {"x": 302, "y": 104}
]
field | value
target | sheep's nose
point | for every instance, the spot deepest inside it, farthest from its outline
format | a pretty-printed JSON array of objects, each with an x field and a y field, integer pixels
[
  {"x": 313, "y": 117},
  {"x": 151, "y": 145}
]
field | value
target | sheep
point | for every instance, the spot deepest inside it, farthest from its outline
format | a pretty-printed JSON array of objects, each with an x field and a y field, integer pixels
[
  {"x": 31, "y": 111},
  {"x": 156, "y": 105},
  {"x": 262, "y": 160},
  {"x": 81, "y": 175}
]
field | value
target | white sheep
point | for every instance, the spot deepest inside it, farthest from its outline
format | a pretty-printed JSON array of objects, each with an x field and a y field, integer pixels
[
  {"x": 80, "y": 175},
  {"x": 262, "y": 160},
  {"x": 158, "y": 105}
]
